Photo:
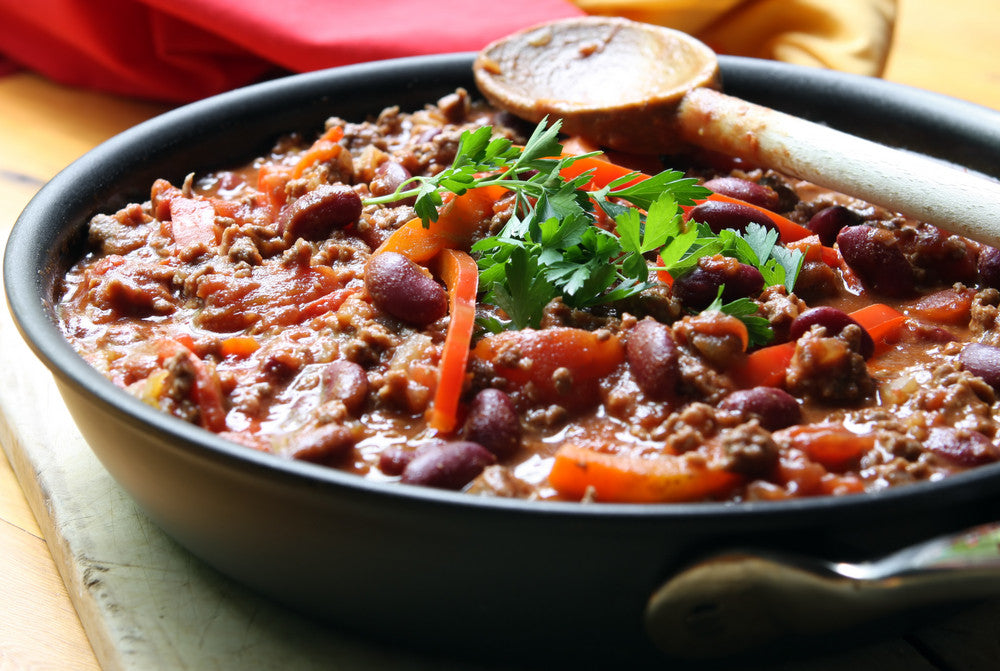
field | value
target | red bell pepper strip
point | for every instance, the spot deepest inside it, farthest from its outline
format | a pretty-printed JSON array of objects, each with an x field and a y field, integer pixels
[
  {"x": 664, "y": 276},
  {"x": 587, "y": 355},
  {"x": 454, "y": 228},
  {"x": 617, "y": 164},
  {"x": 604, "y": 172},
  {"x": 272, "y": 179},
  {"x": 238, "y": 347},
  {"x": 460, "y": 274},
  {"x": 579, "y": 471},
  {"x": 814, "y": 250},
  {"x": 764, "y": 367},
  {"x": 331, "y": 302},
  {"x": 947, "y": 306},
  {"x": 882, "y": 322},
  {"x": 832, "y": 445}
]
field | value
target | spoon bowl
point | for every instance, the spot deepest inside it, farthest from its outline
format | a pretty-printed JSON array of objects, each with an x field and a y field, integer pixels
[{"x": 606, "y": 78}]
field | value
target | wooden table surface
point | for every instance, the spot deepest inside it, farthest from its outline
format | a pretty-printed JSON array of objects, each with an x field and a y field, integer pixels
[{"x": 951, "y": 48}]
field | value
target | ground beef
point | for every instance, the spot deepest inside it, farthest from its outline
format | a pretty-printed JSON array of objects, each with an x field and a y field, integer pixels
[
  {"x": 498, "y": 480},
  {"x": 750, "y": 449},
  {"x": 780, "y": 309},
  {"x": 688, "y": 428},
  {"x": 817, "y": 282},
  {"x": 557, "y": 313},
  {"x": 955, "y": 397},
  {"x": 120, "y": 233},
  {"x": 700, "y": 380},
  {"x": 942, "y": 257},
  {"x": 983, "y": 322},
  {"x": 829, "y": 369}
]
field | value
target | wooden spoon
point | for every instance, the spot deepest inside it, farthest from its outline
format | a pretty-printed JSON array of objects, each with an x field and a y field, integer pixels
[{"x": 642, "y": 88}]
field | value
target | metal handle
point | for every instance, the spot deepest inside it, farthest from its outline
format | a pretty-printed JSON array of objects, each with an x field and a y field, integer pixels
[{"x": 740, "y": 601}]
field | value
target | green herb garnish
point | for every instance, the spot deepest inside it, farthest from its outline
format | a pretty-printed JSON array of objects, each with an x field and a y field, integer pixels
[{"x": 552, "y": 248}]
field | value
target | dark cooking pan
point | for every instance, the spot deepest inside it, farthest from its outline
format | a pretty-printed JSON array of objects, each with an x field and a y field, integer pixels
[{"x": 482, "y": 577}]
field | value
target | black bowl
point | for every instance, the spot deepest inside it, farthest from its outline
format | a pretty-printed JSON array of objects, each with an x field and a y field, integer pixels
[{"x": 482, "y": 577}]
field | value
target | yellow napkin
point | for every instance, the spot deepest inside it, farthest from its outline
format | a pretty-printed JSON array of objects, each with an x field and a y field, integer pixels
[{"x": 849, "y": 35}]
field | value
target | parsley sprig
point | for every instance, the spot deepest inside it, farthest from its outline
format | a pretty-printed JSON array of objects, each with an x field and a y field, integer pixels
[
  {"x": 756, "y": 246},
  {"x": 551, "y": 247}
]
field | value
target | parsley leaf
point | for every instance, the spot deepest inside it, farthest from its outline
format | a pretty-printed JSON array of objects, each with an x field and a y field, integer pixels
[
  {"x": 644, "y": 192},
  {"x": 791, "y": 261},
  {"x": 527, "y": 292}
]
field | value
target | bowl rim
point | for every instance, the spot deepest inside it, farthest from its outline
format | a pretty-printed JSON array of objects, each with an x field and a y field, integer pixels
[{"x": 25, "y": 291}]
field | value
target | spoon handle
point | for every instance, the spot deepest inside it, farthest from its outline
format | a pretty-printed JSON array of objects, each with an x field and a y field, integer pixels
[
  {"x": 740, "y": 602},
  {"x": 925, "y": 189}
]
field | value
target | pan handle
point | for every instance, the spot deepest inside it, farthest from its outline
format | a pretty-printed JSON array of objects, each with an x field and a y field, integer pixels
[{"x": 740, "y": 601}]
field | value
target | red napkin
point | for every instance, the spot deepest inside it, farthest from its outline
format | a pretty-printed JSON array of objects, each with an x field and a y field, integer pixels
[{"x": 181, "y": 50}]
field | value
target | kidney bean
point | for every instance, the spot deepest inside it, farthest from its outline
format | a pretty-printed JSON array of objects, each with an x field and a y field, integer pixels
[
  {"x": 774, "y": 408},
  {"x": 834, "y": 321},
  {"x": 982, "y": 361},
  {"x": 319, "y": 212},
  {"x": 829, "y": 221},
  {"x": 747, "y": 281},
  {"x": 964, "y": 447},
  {"x": 450, "y": 465},
  {"x": 988, "y": 267},
  {"x": 493, "y": 422},
  {"x": 399, "y": 287},
  {"x": 347, "y": 382},
  {"x": 323, "y": 444},
  {"x": 698, "y": 288},
  {"x": 744, "y": 189},
  {"x": 719, "y": 215},
  {"x": 651, "y": 353},
  {"x": 873, "y": 254},
  {"x": 389, "y": 175},
  {"x": 394, "y": 458}
]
